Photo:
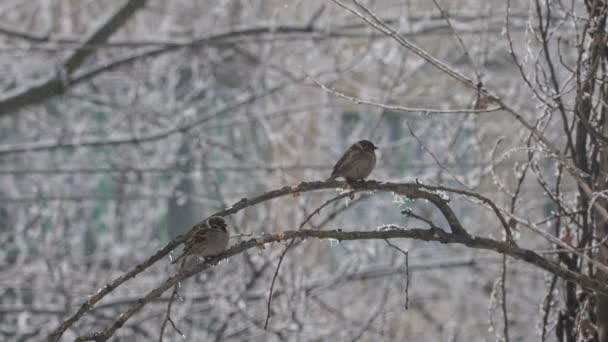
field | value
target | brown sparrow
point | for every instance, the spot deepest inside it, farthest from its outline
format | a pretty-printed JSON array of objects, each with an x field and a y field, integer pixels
[
  {"x": 357, "y": 162},
  {"x": 208, "y": 240}
]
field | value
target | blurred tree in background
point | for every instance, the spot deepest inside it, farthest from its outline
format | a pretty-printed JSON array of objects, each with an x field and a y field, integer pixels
[{"x": 123, "y": 123}]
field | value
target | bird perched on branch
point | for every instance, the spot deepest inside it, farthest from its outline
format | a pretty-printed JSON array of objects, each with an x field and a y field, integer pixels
[
  {"x": 208, "y": 240},
  {"x": 357, "y": 162}
]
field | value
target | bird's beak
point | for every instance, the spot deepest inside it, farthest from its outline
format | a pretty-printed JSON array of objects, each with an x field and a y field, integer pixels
[{"x": 375, "y": 147}]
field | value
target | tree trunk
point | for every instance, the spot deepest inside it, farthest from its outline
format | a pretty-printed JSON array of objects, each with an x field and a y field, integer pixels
[{"x": 601, "y": 231}]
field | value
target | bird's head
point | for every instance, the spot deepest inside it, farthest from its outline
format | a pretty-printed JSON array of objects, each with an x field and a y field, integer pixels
[
  {"x": 217, "y": 222},
  {"x": 366, "y": 145}
]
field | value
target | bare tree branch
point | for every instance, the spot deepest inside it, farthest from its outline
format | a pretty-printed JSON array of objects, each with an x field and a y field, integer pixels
[
  {"x": 388, "y": 232},
  {"x": 413, "y": 191},
  {"x": 56, "y": 83}
]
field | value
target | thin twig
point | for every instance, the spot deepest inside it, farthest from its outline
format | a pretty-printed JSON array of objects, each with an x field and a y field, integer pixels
[
  {"x": 407, "y": 273},
  {"x": 174, "y": 295},
  {"x": 503, "y": 292},
  {"x": 408, "y": 212},
  {"x": 464, "y": 48},
  {"x": 396, "y": 108},
  {"x": 546, "y": 310},
  {"x": 439, "y": 163},
  {"x": 288, "y": 247}
]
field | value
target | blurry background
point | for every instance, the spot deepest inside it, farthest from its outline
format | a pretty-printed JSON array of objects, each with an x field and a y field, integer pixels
[{"x": 190, "y": 106}]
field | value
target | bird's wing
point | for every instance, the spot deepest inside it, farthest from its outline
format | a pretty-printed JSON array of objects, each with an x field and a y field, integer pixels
[
  {"x": 197, "y": 237},
  {"x": 200, "y": 235},
  {"x": 345, "y": 163}
]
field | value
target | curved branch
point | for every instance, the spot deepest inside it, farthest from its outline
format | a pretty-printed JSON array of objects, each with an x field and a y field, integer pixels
[
  {"x": 394, "y": 232},
  {"x": 414, "y": 191},
  {"x": 411, "y": 190}
]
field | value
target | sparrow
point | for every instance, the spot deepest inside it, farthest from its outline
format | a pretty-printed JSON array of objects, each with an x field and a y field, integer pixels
[
  {"x": 356, "y": 163},
  {"x": 208, "y": 240}
]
